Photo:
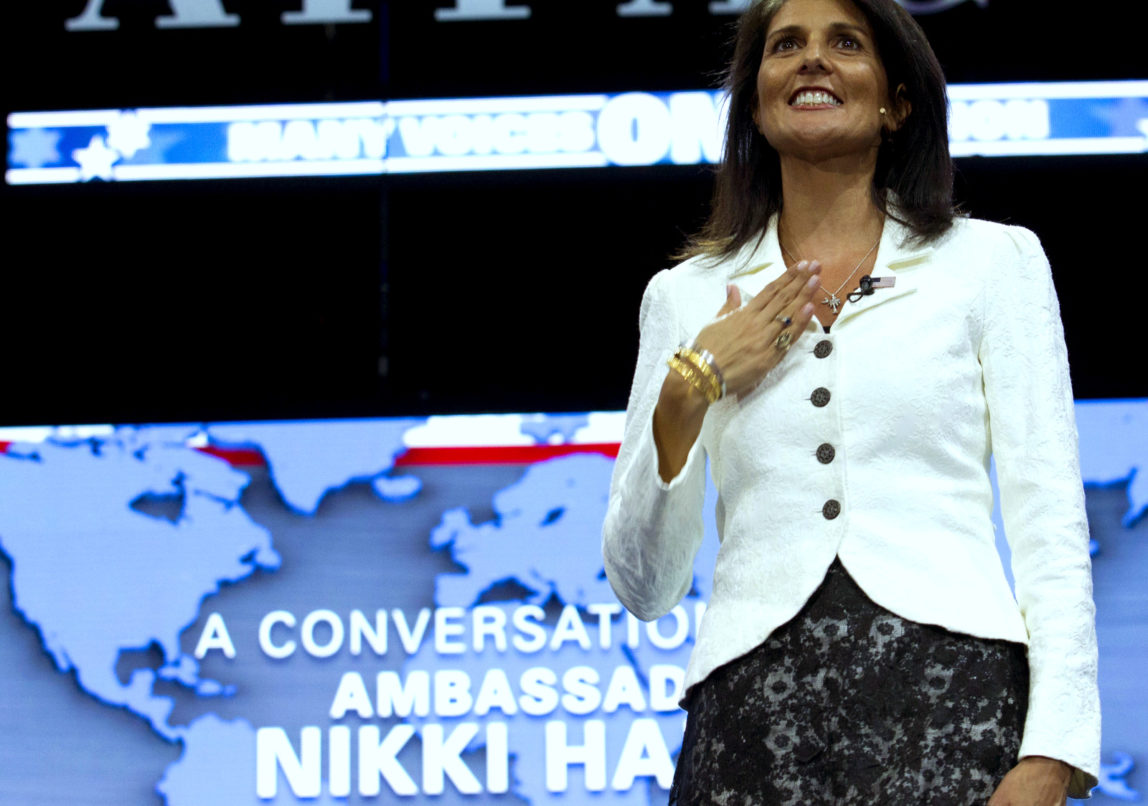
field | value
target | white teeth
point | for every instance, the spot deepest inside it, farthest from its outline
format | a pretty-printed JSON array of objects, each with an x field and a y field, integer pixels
[{"x": 814, "y": 98}]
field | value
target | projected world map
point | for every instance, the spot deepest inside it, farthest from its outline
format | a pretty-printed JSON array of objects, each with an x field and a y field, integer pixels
[{"x": 308, "y": 612}]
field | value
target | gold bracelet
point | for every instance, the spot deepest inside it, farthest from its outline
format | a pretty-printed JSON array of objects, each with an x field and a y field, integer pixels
[
  {"x": 686, "y": 371},
  {"x": 713, "y": 392},
  {"x": 694, "y": 378},
  {"x": 705, "y": 363}
]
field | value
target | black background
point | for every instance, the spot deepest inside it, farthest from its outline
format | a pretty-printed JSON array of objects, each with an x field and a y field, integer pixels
[{"x": 508, "y": 291}]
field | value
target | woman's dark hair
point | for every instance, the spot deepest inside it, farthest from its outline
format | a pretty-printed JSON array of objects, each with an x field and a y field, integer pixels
[{"x": 914, "y": 163}]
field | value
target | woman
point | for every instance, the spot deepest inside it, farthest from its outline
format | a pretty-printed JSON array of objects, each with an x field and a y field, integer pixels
[{"x": 853, "y": 353}]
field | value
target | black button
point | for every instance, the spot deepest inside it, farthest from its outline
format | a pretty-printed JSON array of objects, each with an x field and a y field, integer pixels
[
  {"x": 825, "y": 453},
  {"x": 823, "y": 348},
  {"x": 831, "y": 509},
  {"x": 820, "y": 397}
]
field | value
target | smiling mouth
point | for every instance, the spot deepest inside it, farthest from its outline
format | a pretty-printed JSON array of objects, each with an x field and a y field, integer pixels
[{"x": 809, "y": 98}]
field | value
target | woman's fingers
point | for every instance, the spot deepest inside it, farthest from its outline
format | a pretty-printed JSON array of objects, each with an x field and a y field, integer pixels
[
  {"x": 786, "y": 287},
  {"x": 801, "y": 318},
  {"x": 791, "y": 298},
  {"x": 788, "y": 327}
]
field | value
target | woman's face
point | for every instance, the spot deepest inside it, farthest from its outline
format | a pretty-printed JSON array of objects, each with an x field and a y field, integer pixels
[{"x": 821, "y": 83}]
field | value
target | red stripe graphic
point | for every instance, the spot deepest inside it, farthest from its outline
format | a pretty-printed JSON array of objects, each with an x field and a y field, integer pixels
[
  {"x": 414, "y": 457},
  {"x": 236, "y": 457},
  {"x": 500, "y": 454}
]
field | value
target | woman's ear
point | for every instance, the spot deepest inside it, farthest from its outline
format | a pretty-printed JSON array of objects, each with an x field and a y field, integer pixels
[{"x": 900, "y": 109}]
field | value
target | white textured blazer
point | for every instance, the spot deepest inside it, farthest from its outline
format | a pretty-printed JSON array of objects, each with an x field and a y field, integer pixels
[{"x": 913, "y": 389}]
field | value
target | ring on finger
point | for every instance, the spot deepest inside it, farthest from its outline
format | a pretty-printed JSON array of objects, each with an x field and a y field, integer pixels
[
  {"x": 783, "y": 341},
  {"x": 785, "y": 320}
]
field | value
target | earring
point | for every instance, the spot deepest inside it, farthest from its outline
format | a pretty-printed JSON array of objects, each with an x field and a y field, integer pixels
[{"x": 881, "y": 110}]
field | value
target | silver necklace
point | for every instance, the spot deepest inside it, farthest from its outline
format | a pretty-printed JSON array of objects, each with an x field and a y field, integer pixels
[{"x": 832, "y": 299}]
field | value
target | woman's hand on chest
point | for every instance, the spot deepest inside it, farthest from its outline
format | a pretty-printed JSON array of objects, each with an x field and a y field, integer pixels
[{"x": 747, "y": 341}]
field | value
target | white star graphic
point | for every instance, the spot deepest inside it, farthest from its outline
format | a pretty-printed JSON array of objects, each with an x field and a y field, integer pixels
[
  {"x": 95, "y": 160},
  {"x": 34, "y": 148},
  {"x": 128, "y": 134}
]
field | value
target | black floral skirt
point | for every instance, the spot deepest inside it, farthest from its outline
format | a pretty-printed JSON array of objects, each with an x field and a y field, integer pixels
[{"x": 848, "y": 703}]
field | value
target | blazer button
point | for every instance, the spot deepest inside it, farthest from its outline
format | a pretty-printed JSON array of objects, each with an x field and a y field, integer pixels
[
  {"x": 831, "y": 509},
  {"x": 823, "y": 348},
  {"x": 820, "y": 397},
  {"x": 825, "y": 453}
]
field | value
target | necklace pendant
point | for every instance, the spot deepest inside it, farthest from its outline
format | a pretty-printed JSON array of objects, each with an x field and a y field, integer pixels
[{"x": 832, "y": 302}]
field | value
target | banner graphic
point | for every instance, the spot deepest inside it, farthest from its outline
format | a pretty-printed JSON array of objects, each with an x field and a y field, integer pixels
[{"x": 492, "y": 134}]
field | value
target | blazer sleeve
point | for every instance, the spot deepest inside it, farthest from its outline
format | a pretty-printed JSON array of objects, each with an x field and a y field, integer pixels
[
  {"x": 652, "y": 529},
  {"x": 1033, "y": 432}
]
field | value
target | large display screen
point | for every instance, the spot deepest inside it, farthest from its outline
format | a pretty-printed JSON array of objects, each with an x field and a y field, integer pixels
[
  {"x": 374, "y": 610},
  {"x": 497, "y": 134}
]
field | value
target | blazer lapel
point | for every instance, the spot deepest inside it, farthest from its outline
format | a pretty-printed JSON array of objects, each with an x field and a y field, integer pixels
[
  {"x": 760, "y": 263},
  {"x": 896, "y": 260}
]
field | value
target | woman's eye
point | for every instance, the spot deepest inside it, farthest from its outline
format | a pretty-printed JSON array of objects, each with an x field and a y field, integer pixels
[
  {"x": 785, "y": 43},
  {"x": 849, "y": 43}
]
